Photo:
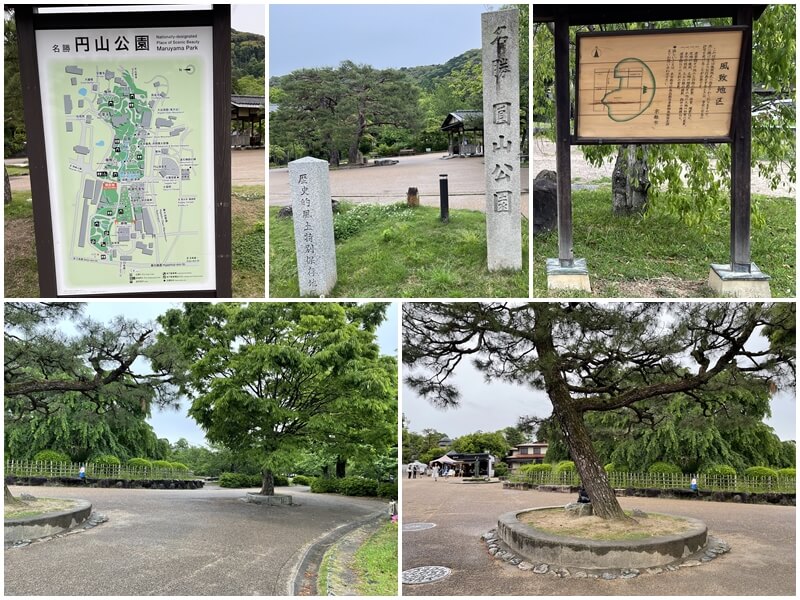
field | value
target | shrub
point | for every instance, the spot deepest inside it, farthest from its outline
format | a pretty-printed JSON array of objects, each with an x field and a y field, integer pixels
[
  {"x": 105, "y": 459},
  {"x": 536, "y": 468},
  {"x": 301, "y": 480},
  {"x": 176, "y": 466},
  {"x": 501, "y": 469},
  {"x": 358, "y": 486},
  {"x": 162, "y": 464},
  {"x": 663, "y": 467},
  {"x": 140, "y": 462},
  {"x": 565, "y": 466},
  {"x": 51, "y": 456},
  {"x": 787, "y": 472},
  {"x": 388, "y": 490},
  {"x": 615, "y": 468},
  {"x": 760, "y": 472},
  {"x": 278, "y": 480},
  {"x": 325, "y": 485},
  {"x": 239, "y": 480},
  {"x": 720, "y": 470}
]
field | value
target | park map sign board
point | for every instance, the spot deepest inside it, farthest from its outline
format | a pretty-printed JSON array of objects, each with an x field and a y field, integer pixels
[
  {"x": 654, "y": 85},
  {"x": 127, "y": 118}
]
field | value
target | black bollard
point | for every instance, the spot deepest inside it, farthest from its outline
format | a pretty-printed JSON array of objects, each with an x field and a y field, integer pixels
[{"x": 444, "y": 201}]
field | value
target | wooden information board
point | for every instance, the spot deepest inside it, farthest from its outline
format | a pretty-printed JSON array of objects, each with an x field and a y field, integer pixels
[{"x": 657, "y": 85}]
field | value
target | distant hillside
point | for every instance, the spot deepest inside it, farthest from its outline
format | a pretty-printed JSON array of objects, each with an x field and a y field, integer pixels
[
  {"x": 247, "y": 62},
  {"x": 427, "y": 76}
]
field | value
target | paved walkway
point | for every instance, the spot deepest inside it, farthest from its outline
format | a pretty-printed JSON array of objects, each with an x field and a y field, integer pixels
[
  {"x": 389, "y": 184},
  {"x": 761, "y": 562},
  {"x": 174, "y": 543}
]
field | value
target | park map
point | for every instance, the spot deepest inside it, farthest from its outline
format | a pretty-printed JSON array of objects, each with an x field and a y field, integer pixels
[{"x": 129, "y": 191}]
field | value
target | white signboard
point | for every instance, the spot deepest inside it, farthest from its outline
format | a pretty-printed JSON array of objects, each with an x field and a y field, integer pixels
[{"x": 128, "y": 121}]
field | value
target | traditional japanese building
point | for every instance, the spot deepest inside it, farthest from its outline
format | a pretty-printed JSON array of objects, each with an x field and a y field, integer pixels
[{"x": 526, "y": 454}]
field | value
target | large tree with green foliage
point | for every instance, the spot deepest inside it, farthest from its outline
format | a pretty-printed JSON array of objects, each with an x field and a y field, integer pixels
[
  {"x": 267, "y": 379},
  {"x": 60, "y": 364},
  {"x": 493, "y": 443},
  {"x": 595, "y": 358},
  {"x": 683, "y": 179}
]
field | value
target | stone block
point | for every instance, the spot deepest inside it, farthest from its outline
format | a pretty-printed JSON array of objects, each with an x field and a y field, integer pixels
[
  {"x": 733, "y": 284},
  {"x": 313, "y": 226},
  {"x": 575, "y": 277},
  {"x": 545, "y": 203},
  {"x": 579, "y": 509},
  {"x": 501, "y": 134}
]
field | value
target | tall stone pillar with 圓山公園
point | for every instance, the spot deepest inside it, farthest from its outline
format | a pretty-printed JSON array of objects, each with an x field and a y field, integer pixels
[
  {"x": 313, "y": 226},
  {"x": 500, "y": 43}
]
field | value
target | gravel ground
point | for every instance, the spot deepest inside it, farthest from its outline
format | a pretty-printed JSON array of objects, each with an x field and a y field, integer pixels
[
  {"x": 761, "y": 562},
  {"x": 543, "y": 156},
  {"x": 389, "y": 184},
  {"x": 178, "y": 542}
]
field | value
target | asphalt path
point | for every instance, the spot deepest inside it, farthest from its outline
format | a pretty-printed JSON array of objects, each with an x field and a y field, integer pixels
[
  {"x": 761, "y": 561},
  {"x": 179, "y": 542},
  {"x": 388, "y": 184}
]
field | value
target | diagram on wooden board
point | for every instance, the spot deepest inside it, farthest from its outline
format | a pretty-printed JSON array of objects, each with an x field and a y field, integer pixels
[
  {"x": 625, "y": 91},
  {"x": 657, "y": 84}
]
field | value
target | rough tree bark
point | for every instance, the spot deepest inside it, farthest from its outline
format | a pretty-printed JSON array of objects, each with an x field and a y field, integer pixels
[
  {"x": 630, "y": 181},
  {"x": 9, "y": 499},
  {"x": 267, "y": 483},
  {"x": 7, "y": 186},
  {"x": 570, "y": 420}
]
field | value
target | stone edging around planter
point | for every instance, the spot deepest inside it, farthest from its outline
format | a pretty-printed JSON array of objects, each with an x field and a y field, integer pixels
[
  {"x": 598, "y": 554},
  {"x": 47, "y": 524},
  {"x": 501, "y": 551},
  {"x": 274, "y": 500}
]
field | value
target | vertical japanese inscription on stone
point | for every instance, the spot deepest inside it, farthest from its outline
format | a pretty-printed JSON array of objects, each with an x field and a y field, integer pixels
[
  {"x": 313, "y": 226},
  {"x": 500, "y": 41}
]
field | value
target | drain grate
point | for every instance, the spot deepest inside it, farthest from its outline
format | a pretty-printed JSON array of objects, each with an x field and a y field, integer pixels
[
  {"x": 425, "y": 574},
  {"x": 417, "y": 526}
]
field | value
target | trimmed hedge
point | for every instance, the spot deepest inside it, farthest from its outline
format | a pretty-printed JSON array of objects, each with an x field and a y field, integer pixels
[
  {"x": 162, "y": 464},
  {"x": 787, "y": 472},
  {"x": 277, "y": 480},
  {"x": 325, "y": 485},
  {"x": 239, "y": 480},
  {"x": 105, "y": 459},
  {"x": 663, "y": 467},
  {"x": 536, "y": 468},
  {"x": 500, "y": 469},
  {"x": 387, "y": 490},
  {"x": 760, "y": 472},
  {"x": 140, "y": 462},
  {"x": 179, "y": 466},
  {"x": 565, "y": 466},
  {"x": 51, "y": 456},
  {"x": 301, "y": 480},
  {"x": 615, "y": 468},
  {"x": 720, "y": 470},
  {"x": 349, "y": 486}
]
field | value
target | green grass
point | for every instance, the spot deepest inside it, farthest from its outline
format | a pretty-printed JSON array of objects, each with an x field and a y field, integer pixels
[
  {"x": 393, "y": 251},
  {"x": 375, "y": 563},
  {"x": 247, "y": 232},
  {"x": 14, "y": 171},
  {"x": 659, "y": 256}
]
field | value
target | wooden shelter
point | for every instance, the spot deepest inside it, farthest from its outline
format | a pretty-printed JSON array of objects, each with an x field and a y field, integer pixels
[
  {"x": 464, "y": 130},
  {"x": 248, "y": 113}
]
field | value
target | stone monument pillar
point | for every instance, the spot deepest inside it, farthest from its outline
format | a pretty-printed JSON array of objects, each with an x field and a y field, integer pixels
[
  {"x": 501, "y": 141},
  {"x": 313, "y": 226}
]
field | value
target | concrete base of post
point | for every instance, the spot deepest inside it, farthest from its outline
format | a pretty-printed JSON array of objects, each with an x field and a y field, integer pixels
[
  {"x": 575, "y": 277},
  {"x": 735, "y": 284}
]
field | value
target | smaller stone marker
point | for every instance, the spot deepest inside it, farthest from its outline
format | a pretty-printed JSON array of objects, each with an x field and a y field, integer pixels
[
  {"x": 313, "y": 226},
  {"x": 412, "y": 197}
]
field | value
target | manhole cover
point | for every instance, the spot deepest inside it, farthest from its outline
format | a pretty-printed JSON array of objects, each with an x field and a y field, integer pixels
[
  {"x": 425, "y": 574},
  {"x": 417, "y": 526}
]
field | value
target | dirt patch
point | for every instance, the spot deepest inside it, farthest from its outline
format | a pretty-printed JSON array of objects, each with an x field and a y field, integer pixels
[
  {"x": 657, "y": 287},
  {"x": 40, "y": 506},
  {"x": 558, "y": 522}
]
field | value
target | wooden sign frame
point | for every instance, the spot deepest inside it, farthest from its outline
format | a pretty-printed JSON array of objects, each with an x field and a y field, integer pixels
[
  {"x": 29, "y": 20},
  {"x": 644, "y": 69}
]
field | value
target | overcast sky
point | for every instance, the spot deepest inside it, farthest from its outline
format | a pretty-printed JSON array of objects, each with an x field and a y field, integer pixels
[
  {"x": 175, "y": 424},
  {"x": 380, "y": 35},
  {"x": 249, "y": 17},
  {"x": 492, "y": 406}
]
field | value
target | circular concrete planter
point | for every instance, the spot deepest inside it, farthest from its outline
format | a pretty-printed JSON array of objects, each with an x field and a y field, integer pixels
[
  {"x": 541, "y": 547},
  {"x": 274, "y": 500},
  {"x": 31, "y": 528}
]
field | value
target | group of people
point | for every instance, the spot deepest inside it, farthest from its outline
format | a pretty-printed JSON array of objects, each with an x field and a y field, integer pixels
[{"x": 436, "y": 471}]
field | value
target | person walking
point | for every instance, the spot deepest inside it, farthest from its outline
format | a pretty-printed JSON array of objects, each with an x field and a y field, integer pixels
[
  {"x": 408, "y": 468},
  {"x": 435, "y": 473}
]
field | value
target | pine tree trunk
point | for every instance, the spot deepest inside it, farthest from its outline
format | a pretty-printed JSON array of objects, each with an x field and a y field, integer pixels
[
  {"x": 341, "y": 465},
  {"x": 629, "y": 180},
  {"x": 7, "y": 186},
  {"x": 267, "y": 483},
  {"x": 9, "y": 499}
]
